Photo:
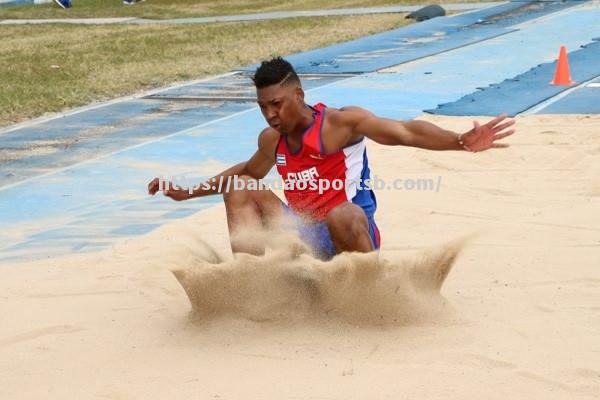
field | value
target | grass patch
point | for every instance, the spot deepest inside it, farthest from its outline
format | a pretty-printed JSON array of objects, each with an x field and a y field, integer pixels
[
  {"x": 161, "y": 9},
  {"x": 48, "y": 68}
]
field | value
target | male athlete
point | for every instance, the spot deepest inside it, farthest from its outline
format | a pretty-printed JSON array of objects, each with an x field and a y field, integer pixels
[{"x": 310, "y": 143}]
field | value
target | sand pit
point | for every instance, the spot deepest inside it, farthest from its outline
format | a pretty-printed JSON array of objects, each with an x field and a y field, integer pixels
[
  {"x": 289, "y": 284},
  {"x": 517, "y": 317}
]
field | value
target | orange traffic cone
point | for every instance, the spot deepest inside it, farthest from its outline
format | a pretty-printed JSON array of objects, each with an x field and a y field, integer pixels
[{"x": 562, "y": 76}]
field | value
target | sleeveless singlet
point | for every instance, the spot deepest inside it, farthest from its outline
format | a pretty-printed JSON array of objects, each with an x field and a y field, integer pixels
[{"x": 302, "y": 171}]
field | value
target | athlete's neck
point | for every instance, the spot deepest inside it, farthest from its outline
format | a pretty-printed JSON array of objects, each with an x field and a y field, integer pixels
[{"x": 303, "y": 123}]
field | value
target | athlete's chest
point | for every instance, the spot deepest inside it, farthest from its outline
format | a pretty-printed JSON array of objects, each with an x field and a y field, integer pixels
[{"x": 309, "y": 163}]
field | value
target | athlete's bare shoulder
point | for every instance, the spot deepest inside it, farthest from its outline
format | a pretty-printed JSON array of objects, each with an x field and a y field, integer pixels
[
  {"x": 346, "y": 116},
  {"x": 338, "y": 130},
  {"x": 267, "y": 141},
  {"x": 356, "y": 112}
]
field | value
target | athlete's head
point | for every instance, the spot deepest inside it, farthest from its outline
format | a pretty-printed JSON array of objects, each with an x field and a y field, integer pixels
[{"x": 279, "y": 94}]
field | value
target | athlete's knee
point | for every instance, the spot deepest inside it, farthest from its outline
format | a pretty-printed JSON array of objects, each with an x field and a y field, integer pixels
[{"x": 347, "y": 221}]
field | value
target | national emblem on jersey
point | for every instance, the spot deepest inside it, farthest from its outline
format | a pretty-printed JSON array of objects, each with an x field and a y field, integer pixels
[{"x": 280, "y": 159}]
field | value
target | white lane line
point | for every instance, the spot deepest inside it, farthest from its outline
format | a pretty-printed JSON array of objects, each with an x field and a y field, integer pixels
[{"x": 540, "y": 106}]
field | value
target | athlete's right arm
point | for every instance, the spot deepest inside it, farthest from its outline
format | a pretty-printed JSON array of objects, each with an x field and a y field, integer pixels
[{"x": 258, "y": 166}]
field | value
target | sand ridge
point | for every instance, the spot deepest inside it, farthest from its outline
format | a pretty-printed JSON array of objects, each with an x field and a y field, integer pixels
[{"x": 288, "y": 283}]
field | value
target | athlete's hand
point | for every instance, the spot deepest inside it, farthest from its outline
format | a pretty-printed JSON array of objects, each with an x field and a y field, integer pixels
[
  {"x": 484, "y": 137},
  {"x": 169, "y": 189},
  {"x": 153, "y": 186}
]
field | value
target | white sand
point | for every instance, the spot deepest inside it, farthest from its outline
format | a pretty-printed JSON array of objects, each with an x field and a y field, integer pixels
[{"x": 521, "y": 317}]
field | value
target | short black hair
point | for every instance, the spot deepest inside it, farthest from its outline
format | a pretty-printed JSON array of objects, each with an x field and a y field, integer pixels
[{"x": 273, "y": 71}]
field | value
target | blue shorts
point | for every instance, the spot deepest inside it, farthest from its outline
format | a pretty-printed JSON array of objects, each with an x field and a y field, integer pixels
[{"x": 317, "y": 236}]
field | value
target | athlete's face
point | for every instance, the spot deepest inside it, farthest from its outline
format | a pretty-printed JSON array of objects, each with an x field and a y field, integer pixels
[{"x": 281, "y": 105}]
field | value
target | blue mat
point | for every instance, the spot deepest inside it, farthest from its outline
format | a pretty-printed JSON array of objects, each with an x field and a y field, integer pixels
[
  {"x": 237, "y": 85},
  {"x": 420, "y": 40},
  {"x": 518, "y": 94},
  {"x": 61, "y": 142},
  {"x": 585, "y": 100},
  {"x": 65, "y": 141}
]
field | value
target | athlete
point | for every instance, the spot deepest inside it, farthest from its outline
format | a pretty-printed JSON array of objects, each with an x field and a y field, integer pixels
[{"x": 309, "y": 144}]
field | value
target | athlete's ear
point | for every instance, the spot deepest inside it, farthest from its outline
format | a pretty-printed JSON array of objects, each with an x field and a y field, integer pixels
[{"x": 299, "y": 94}]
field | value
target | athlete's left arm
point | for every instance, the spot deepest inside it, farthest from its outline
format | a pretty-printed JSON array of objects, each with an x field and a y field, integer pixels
[{"x": 426, "y": 135}]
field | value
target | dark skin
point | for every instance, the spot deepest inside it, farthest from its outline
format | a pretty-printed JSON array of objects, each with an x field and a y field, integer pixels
[{"x": 284, "y": 109}]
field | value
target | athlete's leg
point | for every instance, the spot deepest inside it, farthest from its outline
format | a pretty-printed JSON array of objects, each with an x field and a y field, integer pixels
[
  {"x": 248, "y": 211},
  {"x": 349, "y": 228}
]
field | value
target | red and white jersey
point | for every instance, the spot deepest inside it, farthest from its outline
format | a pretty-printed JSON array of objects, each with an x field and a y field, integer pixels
[{"x": 306, "y": 172}]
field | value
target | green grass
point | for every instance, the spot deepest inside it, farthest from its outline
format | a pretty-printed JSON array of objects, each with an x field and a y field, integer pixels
[
  {"x": 160, "y": 9},
  {"x": 48, "y": 68}
]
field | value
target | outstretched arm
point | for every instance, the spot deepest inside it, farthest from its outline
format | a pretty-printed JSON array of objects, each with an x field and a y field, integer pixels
[
  {"x": 426, "y": 135},
  {"x": 258, "y": 166}
]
